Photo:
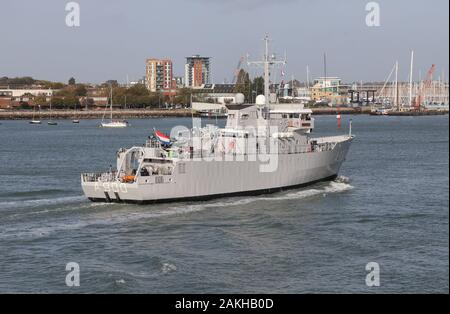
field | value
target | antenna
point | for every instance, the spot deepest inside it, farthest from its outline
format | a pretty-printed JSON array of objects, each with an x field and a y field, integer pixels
[
  {"x": 307, "y": 76},
  {"x": 267, "y": 63}
]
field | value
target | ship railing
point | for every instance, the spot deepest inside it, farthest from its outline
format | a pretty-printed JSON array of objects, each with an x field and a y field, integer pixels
[
  {"x": 286, "y": 149},
  {"x": 152, "y": 143},
  {"x": 99, "y": 177},
  {"x": 323, "y": 147}
]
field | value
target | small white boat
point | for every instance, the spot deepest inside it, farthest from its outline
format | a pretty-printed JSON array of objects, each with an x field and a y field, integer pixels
[
  {"x": 114, "y": 124},
  {"x": 75, "y": 120},
  {"x": 34, "y": 120},
  {"x": 51, "y": 122}
]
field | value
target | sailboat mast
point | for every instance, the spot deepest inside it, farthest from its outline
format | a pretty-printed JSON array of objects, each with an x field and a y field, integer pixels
[
  {"x": 397, "y": 103},
  {"x": 325, "y": 74},
  {"x": 411, "y": 78},
  {"x": 111, "y": 106}
]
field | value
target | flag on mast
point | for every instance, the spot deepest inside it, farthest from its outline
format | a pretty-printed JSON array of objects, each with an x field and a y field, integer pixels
[{"x": 164, "y": 139}]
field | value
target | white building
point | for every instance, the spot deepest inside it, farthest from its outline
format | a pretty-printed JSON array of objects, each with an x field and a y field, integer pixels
[{"x": 22, "y": 92}]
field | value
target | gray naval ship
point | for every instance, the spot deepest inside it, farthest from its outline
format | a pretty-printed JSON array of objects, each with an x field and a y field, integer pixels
[{"x": 263, "y": 148}]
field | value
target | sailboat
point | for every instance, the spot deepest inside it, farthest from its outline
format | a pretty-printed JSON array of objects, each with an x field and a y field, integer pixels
[
  {"x": 75, "y": 120},
  {"x": 33, "y": 120},
  {"x": 51, "y": 122},
  {"x": 112, "y": 123}
]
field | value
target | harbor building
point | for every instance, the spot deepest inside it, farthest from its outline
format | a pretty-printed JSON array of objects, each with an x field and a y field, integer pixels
[
  {"x": 213, "y": 98},
  {"x": 197, "y": 71},
  {"x": 329, "y": 90},
  {"x": 304, "y": 93},
  {"x": 27, "y": 91},
  {"x": 159, "y": 75}
]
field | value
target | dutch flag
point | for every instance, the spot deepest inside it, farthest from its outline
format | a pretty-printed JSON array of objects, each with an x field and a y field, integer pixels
[{"x": 162, "y": 138}]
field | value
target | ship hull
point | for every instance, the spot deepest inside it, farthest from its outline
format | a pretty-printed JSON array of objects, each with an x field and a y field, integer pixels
[
  {"x": 211, "y": 197},
  {"x": 204, "y": 180}
]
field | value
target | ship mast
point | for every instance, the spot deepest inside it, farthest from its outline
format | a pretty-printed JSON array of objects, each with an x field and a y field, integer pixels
[{"x": 267, "y": 63}]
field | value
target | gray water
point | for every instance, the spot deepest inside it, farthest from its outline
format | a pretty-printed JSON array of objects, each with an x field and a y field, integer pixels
[{"x": 389, "y": 206}]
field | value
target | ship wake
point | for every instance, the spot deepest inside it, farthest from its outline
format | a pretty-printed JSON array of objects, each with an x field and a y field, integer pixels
[{"x": 79, "y": 217}]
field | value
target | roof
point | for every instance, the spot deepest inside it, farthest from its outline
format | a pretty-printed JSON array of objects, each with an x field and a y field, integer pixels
[
  {"x": 238, "y": 107},
  {"x": 217, "y": 89}
]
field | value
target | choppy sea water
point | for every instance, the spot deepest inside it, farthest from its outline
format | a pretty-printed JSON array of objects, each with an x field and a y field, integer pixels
[{"x": 390, "y": 205}]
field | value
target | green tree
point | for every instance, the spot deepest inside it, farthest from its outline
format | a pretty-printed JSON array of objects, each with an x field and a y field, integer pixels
[
  {"x": 244, "y": 85},
  {"x": 72, "y": 81},
  {"x": 258, "y": 85},
  {"x": 87, "y": 102},
  {"x": 18, "y": 81},
  {"x": 112, "y": 83},
  {"x": 183, "y": 97},
  {"x": 40, "y": 101},
  {"x": 80, "y": 90}
]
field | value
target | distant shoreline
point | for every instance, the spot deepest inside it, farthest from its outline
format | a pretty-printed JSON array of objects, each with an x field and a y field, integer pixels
[
  {"x": 94, "y": 114},
  {"x": 149, "y": 113},
  {"x": 138, "y": 113}
]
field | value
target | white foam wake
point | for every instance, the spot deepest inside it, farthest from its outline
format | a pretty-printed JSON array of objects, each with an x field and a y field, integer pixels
[
  {"x": 120, "y": 215},
  {"x": 41, "y": 202}
]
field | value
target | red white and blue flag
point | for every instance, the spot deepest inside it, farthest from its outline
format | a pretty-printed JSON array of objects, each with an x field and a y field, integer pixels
[{"x": 162, "y": 137}]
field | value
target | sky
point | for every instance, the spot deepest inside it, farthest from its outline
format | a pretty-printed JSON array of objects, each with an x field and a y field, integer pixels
[{"x": 115, "y": 37}]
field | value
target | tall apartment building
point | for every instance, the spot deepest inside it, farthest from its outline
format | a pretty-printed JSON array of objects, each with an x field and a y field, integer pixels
[
  {"x": 159, "y": 75},
  {"x": 197, "y": 71}
]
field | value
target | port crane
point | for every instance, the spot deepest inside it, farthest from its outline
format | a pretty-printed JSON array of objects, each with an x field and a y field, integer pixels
[
  {"x": 426, "y": 85},
  {"x": 238, "y": 68}
]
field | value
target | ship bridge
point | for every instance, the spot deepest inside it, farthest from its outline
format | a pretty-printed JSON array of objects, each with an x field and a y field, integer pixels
[{"x": 294, "y": 117}]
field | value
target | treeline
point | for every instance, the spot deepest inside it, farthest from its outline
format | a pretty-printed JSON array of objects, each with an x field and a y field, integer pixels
[
  {"x": 29, "y": 81},
  {"x": 75, "y": 95},
  {"x": 136, "y": 96},
  {"x": 250, "y": 88}
]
